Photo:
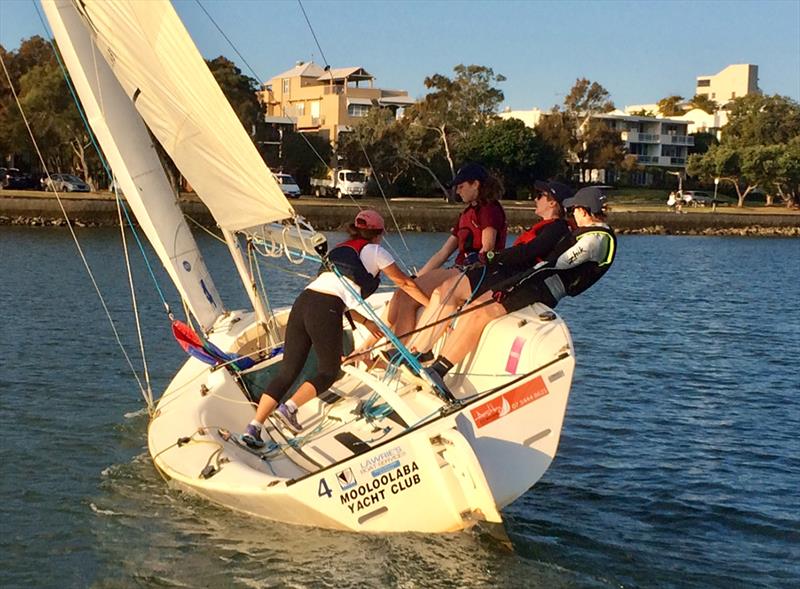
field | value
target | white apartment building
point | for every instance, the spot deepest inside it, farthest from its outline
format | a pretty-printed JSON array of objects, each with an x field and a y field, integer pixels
[
  {"x": 654, "y": 142},
  {"x": 734, "y": 81}
]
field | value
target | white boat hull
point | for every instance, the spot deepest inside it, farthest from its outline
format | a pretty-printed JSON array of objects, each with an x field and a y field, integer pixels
[{"x": 421, "y": 469}]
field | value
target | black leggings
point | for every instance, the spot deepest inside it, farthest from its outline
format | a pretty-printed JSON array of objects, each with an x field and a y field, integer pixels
[{"x": 315, "y": 320}]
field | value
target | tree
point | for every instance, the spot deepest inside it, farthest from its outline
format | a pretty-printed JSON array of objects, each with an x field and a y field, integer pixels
[
  {"x": 576, "y": 132},
  {"x": 703, "y": 102},
  {"x": 671, "y": 106},
  {"x": 758, "y": 148},
  {"x": 513, "y": 151},
  {"x": 303, "y": 156},
  {"x": 240, "y": 90},
  {"x": 756, "y": 119},
  {"x": 457, "y": 104}
]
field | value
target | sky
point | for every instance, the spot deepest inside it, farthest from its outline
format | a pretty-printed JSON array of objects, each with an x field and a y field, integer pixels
[{"x": 639, "y": 51}]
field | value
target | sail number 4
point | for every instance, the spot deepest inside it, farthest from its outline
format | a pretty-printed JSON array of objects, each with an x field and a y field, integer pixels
[{"x": 324, "y": 490}]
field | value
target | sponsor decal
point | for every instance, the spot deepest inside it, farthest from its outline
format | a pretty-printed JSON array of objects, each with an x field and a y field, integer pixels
[
  {"x": 509, "y": 402},
  {"x": 380, "y": 463},
  {"x": 346, "y": 478},
  {"x": 401, "y": 478},
  {"x": 187, "y": 266}
]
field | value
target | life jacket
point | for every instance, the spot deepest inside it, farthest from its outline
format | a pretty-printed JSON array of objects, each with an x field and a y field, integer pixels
[
  {"x": 531, "y": 233},
  {"x": 578, "y": 278},
  {"x": 346, "y": 256},
  {"x": 470, "y": 234}
]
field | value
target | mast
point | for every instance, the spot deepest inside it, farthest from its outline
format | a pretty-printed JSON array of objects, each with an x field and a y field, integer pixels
[{"x": 132, "y": 155}]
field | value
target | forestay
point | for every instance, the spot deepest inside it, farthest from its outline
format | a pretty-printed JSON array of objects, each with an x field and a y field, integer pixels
[
  {"x": 131, "y": 154},
  {"x": 155, "y": 60}
]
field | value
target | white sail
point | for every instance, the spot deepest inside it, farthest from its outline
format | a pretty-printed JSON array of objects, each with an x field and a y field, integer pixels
[
  {"x": 131, "y": 154},
  {"x": 158, "y": 65}
]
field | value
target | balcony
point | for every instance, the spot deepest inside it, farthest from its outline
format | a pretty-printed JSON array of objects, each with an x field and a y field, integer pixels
[
  {"x": 636, "y": 137},
  {"x": 677, "y": 139}
]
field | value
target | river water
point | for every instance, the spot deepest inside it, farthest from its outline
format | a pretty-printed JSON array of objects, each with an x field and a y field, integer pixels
[{"x": 679, "y": 462}]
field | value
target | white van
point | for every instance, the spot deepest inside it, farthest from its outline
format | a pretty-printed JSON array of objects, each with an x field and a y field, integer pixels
[{"x": 288, "y": 185}]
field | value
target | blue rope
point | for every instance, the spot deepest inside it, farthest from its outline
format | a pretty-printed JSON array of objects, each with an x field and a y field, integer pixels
[{"x": 103, "y": 162}]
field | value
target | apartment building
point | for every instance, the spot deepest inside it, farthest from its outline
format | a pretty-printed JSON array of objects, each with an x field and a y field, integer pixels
[
  {"x": 733, "y": 82},
  {"x": 655, "y": 142},
  {"x": 314, "y": 100}
]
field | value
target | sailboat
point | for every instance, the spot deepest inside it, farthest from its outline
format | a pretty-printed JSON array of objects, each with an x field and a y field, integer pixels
[{"x": 380, "y": 451}]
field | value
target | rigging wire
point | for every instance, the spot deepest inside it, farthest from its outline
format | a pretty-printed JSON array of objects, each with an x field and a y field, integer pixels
[
  {"x": 72, "y": 232},
  {"x": 100, "y": 156},
  {"x": 257, "y": 77}
]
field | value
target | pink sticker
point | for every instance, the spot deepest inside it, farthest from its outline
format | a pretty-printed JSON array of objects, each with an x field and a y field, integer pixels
[{"x": 514, "y": 354}]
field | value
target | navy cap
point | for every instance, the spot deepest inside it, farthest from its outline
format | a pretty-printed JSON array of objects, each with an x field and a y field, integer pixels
[
  {"x": 557, "y": 191},
  {"x": 469, "y": 173},
  {"x": 591, "y": 198}
]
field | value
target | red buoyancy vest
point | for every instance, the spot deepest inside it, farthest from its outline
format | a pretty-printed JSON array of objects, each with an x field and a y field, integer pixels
[{"x": 531, "y": 233}]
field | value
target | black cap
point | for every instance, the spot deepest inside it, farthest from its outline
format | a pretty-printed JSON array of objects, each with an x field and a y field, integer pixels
[
  {"x": 469, "y": 173},
  {"x": 591, "y": 198},
  {"x": 557, "y": 191}
]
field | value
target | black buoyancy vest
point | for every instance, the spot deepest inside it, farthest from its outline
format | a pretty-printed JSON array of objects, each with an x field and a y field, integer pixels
[
  {"x": 578, "y": 278},
  {"x": 347, "y": 258}
]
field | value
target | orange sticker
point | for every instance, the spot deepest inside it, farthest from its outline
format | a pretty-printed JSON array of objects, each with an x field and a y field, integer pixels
[{"x": 509, "y": 402}]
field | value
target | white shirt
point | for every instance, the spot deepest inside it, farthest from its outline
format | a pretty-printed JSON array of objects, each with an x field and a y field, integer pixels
[{"x": 374, "y": 258}]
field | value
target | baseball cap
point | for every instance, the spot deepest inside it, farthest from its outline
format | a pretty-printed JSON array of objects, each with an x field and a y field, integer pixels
[
  {"x": 557, "y": 190},
  {"x": 591, "y": 198},
  {"x": 468, "y": 173},
  {"x": 369, "y": 219}
]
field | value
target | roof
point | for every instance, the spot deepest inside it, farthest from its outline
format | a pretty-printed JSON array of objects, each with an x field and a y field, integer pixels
[
  {"x": 305, "y": 70},
  {"x": 340, "y": 73}
]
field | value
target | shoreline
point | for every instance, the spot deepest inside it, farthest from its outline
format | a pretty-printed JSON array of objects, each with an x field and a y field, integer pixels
[{"x": 40, "y": 209}]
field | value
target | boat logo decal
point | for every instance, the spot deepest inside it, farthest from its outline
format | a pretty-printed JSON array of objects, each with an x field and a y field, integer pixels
[
  {"x": 380, "y": 463},
  {"x": 509, "y": 402},
  {"x": 346, "y": 478},
  {"x": 396, "y": 481},
  {"x": 514, "y": 355}
]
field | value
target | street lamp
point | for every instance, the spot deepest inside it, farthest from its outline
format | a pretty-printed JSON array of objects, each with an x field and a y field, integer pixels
[{"x": 714, "y": 202}]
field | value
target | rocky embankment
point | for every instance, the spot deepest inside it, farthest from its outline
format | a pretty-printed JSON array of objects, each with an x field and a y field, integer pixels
[{"x": 41, "y": 209}]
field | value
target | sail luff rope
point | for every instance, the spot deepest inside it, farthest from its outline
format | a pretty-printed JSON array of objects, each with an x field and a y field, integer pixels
[{"x": 72, "y": 232}]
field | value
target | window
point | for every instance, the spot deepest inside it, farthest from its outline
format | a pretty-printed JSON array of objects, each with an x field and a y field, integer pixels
[
  {"x": 315, "y": 109},
  {"x": 713, "y": 95},
  {"x": 733, "y": 95},
  {"x": 300, "y": 108},
  {"x": 703, "y": 83},
  {"x": 286, "y": 86},
  {"x": 357, "y": 110}
]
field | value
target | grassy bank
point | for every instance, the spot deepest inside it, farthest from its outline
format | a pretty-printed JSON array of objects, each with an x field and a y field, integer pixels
[{"x": 426, "y": 214}]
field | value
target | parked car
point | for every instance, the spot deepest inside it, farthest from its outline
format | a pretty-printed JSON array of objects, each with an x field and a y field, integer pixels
[
  {"x": 288, "y": 185},
  {"x": 12, "y": 178},
  {"x": 65, "y": 183},
  {"x": 697, "y": 198}
]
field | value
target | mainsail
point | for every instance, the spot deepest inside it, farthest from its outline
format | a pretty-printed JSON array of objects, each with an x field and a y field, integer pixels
[
  {"x": 161, "y": 71},
  {"x": 131, "y": 154}
]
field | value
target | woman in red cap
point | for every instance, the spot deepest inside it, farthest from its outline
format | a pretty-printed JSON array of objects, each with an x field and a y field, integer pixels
[{"x": 350, "y": 275}]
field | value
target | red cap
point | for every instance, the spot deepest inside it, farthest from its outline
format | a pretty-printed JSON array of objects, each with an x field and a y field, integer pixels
[{"x": 369, "y": 219}]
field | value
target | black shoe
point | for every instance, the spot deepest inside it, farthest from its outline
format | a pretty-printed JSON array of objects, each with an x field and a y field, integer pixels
[{"x": 439, "y": 387}]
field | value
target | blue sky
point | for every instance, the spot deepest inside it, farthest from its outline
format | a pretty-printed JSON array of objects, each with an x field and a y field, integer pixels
[{"x": 640, "y": 51}]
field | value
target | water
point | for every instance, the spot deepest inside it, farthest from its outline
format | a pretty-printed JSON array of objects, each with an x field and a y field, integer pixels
[{"x": 679, "y": 462}]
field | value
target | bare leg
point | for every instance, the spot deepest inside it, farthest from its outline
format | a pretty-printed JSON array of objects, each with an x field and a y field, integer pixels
[
  {"x": 266, "y": 405},
  {"x": 402, "y": 314},
  {"x": 445, "y": 299},
  {"x": 468, "y": 332},
  {"x": 305, "y": 392}
]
